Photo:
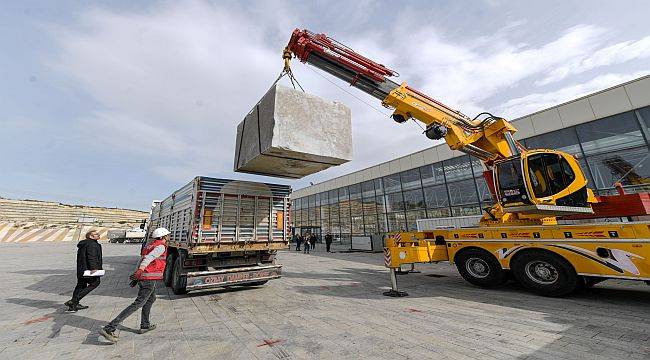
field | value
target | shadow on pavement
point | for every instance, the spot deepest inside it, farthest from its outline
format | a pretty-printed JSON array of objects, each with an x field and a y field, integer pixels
[
  {"x": 166, "y": 293},
  {"x": 63, "y": 281},
  {"x": 354, "y": 256},
  {"x": 62, "y": 318},
  {"x": 113, "y": 284},
  {"x": 609, "y": 313}
]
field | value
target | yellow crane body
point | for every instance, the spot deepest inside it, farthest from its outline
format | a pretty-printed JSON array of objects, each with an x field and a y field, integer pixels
[
  {"x": 607, "y": 250},
  {"x": 519, "y": 235}
]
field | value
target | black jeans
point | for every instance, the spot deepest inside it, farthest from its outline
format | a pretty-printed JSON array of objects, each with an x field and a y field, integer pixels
[
  {"x": 84, "y": 286},
  {"x": 327, "y": 245},
  {"x": 145, "y": 299}
]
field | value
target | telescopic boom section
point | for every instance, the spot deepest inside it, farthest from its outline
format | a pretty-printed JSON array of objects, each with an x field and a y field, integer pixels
[
  {"x": 488, "y": 139},
  {"x": 336, "y": 59}
]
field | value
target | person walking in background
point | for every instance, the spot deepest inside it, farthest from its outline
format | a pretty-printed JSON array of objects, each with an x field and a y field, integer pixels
[
  {"x": 298, "y": 242},
  {"x": 294, "y": 239},
  {"x": 328, "y": 241},
  {"x": 306, "y": 244},
  {"x": 89, "y": 257},
  {"x": 150, "y": 268},
  {"x": 312, "y": 241}
]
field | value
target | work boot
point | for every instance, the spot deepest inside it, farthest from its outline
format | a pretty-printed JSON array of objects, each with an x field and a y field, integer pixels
[
  {"x": 109, "y": 335},
  {"x": 81, "y": 307},
  {"x": 72, "y": 306},
  {"x": 147, "y": 329}
]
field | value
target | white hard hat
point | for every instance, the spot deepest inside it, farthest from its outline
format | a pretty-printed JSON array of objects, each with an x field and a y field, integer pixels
[{"x": 160, "y": 232}]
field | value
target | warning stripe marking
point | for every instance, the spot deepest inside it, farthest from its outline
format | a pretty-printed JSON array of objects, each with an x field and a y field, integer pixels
[
  {"x": 387, "y": 257},
  {"x": 27, "y": 233}
]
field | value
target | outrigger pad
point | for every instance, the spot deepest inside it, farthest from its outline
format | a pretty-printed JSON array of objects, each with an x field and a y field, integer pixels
[
  {"x": 395, "y": 293},
  {"x": 292, "y": 134}
]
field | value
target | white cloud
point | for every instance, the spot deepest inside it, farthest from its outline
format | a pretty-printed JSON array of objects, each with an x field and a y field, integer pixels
[
  {"x": 514, "y": 108},
  {"x": 172, "y": 83},
  {"x": 615, "y": 54},
  {"x": 465, "y": 75}
]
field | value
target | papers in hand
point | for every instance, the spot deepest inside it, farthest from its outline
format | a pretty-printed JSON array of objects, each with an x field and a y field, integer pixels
[{"x": 96, "y": 273}]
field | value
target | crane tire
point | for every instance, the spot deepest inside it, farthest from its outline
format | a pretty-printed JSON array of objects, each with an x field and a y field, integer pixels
[
  {"x": 544, "y": 273},
  {"x": 478, "y": 267}
]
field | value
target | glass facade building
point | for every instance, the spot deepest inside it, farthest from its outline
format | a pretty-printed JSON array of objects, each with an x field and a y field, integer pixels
[{"x": 611, "y": 149}]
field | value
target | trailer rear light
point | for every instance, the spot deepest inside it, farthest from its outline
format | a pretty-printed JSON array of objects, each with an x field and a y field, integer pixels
[{"x": 279, "y": 220}]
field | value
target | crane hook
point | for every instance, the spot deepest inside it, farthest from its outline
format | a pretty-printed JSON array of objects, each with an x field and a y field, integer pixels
[{"x": 286, "y": 55}]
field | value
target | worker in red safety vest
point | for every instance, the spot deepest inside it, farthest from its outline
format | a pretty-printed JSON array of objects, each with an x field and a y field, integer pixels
[{"x": 150, "y": 268}]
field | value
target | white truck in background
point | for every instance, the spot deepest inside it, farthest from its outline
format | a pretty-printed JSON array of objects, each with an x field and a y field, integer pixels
[{"x": 135, "y": 235}]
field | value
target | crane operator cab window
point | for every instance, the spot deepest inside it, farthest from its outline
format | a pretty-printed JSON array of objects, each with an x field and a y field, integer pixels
[
  {"x": 549, "y": 174},
  {"x": 549, "y": 179},
  {"x": 511, "y": 182}
]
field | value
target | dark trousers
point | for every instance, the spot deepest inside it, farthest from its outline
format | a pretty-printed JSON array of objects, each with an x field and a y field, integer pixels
[
  {"x": 145, "y": 299},
  {"x": 84, "y": 286},
  {"x": 327, "y": 245},
  {"x": 298, "y": 245}
]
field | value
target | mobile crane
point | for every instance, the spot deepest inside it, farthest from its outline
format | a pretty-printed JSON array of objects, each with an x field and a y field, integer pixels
[{"x": 519, "y": 233}]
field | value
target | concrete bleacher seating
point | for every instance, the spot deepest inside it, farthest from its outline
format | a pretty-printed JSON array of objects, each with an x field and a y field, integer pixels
[{"x": 33, "y": 220}]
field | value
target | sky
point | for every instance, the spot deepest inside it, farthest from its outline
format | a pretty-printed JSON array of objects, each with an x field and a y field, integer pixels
[{"x": 118, "y": 103}]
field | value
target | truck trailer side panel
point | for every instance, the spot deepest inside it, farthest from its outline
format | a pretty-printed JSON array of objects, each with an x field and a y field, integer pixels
[{"x": 223, "y": 232}]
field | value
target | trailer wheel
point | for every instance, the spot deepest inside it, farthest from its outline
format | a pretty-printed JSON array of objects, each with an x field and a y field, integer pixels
[
  {"x": 544, "y": 273},
  {"x": 169, "y": 268},
  {"x": 179, "y": 282},
  {"x": 480, "y": 268}
]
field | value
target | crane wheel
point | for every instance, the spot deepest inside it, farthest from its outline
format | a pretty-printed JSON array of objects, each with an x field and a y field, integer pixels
[
  {"x": 169, "y": 268},
  {"x": 179, "y": 282},
  {"x": 478, "y": 267},
  {"x": 544, "y": 273}
]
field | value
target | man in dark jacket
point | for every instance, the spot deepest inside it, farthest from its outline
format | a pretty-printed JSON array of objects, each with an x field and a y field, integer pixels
[
  {"x": 328, "y": 241},
  {"x": 89, "y": 257},
  {"x": 312, "y": 241},
  {"x": 299, "y": 240}
]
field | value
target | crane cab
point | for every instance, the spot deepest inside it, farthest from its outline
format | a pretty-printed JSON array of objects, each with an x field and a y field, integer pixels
[{"x": 543, "y": 182}]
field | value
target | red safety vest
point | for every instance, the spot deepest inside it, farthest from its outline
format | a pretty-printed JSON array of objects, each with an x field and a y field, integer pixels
[{"x": 156, "y": 268}]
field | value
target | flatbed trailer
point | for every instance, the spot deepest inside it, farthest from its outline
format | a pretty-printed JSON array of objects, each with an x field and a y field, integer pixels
[
  {"x": 223, "y": 233},
  {"x": 549, "y": 260}
]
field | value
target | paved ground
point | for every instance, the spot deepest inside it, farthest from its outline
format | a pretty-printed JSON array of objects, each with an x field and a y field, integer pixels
[{"x": 328, "y": 306}]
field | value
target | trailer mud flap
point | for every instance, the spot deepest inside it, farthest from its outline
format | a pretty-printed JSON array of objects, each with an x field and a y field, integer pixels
[{"x": 237, "y": 276}]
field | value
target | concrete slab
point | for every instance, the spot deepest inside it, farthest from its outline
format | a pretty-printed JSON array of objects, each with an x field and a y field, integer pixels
[{"x": 292, "y": 134}]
